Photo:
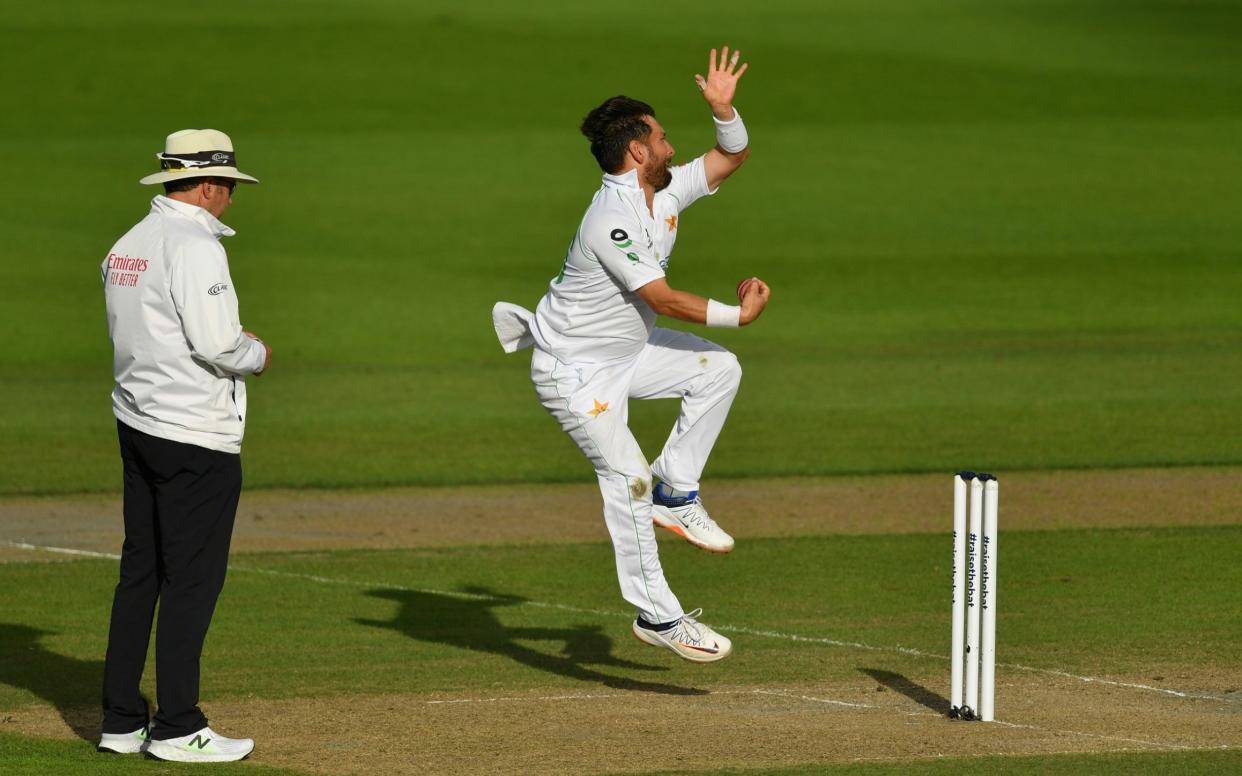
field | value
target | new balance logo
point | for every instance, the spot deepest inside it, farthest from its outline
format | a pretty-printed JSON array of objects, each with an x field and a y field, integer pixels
[{"x": 200, "y": 742}]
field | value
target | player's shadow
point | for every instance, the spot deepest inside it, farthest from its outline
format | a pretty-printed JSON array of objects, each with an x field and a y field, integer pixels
[
  {"x": 70, "y": 685},
  {"x": 468, "y": 620},
  {"x": 915, "y": 692}
]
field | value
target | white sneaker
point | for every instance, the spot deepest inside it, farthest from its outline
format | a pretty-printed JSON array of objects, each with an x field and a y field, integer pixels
[
  {"x": 205, "y": 746},
  {"x": 692, "y": 523},
  {"x": 689, "y": 638},
  {"x": 124, "y": 743}
]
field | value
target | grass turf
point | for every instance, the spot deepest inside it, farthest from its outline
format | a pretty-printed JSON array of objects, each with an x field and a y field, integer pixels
[
  {"x": 1149, "y": 763},
  {"x": 997, "y": 232},
  {"x": 473, "y": 619},
  {"x": 511, "y": 619},
  {"x": 27, "y": 756},
  {"x": 40, "y": 757}
]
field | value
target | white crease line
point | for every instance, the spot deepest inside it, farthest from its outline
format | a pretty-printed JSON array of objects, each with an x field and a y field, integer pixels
[
  {"x": 790, "y": 695},
  {"x": 830, "y": 642},
  {"x": 830, "y": 701},
  {"x": 520, "y": 698},
  {"x": 576, "y": 697},
  {"x": 607, "y": 613},
  {"x": 1157, "y": 744},
  {"x": 1131, "y": 685},
  {"x": 63, "y": 550},
  {"x": 611, "y": 696},
  {"x": 423, "y": 590},
  {"x": 920, "y": 653}
]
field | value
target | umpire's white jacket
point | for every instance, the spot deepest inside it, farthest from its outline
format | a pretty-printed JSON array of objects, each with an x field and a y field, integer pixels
[{"x": 179, "y": 353}]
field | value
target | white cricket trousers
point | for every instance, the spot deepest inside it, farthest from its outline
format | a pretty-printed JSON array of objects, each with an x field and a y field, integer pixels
[{"x": 591, "y": 402}]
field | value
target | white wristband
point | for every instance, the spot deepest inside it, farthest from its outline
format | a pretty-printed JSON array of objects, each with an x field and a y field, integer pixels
[
  {"x": 731, "y": 135},
  {"x": 721, "y": 315}
]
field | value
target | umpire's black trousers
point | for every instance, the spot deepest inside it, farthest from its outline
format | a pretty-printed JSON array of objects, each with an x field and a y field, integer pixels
[{"x": 180, "y": 501}]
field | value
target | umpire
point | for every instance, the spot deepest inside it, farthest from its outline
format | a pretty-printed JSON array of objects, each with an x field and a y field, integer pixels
[{"x": 180, "y": 360}]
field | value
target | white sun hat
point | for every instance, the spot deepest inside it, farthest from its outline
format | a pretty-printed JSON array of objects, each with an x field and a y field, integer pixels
[{"x": 197, "y": 153}]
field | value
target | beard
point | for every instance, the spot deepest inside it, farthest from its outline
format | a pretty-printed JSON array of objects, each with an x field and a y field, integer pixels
[{"x": 658, "y": 176}]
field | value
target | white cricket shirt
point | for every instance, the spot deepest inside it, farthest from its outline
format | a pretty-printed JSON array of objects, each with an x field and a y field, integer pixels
[
  {"x": 591, "y": 313},
  {"x": 178, "y": 348}
]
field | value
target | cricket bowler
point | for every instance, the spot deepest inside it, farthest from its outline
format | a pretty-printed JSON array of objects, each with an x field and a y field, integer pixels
[{"x": 596, "y": 346}]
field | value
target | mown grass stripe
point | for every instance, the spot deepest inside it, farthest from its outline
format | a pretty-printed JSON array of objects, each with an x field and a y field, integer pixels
[{"x": 793, "y": 637}]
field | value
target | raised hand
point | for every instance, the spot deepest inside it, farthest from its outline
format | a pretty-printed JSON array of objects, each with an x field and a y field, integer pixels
[{"x": 721, "y": 81}]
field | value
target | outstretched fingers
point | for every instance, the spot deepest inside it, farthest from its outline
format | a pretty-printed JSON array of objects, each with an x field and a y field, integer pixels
[
  {"x": 725, "y": 66},
  {"x": 727, "y": 63}
]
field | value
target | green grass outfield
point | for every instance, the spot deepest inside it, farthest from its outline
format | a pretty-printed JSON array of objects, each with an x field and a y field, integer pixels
[
  {"x": 40, "y": 757},
  {"x": 1000, "y": 233},
  {"x": 473, "y": 621},
  {"x": 57, "y": 758},
  {"x": 996, "y": 231},
  {"x": 1080, "y": 601}
]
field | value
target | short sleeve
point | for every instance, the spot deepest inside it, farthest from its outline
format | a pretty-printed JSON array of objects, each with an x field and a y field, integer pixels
[
  {"x": 689, "y": 183},
  {"x": 622, "y": 249}
]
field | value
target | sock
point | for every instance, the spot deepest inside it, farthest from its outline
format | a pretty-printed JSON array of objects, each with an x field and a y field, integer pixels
[
  {"x": 671, "y": 497},
  {"x": 658, "y": 628}
]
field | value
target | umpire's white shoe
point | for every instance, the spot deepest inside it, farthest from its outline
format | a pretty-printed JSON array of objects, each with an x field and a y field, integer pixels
[
  {"x": 124, "y": 743},
  {"x": 205, "y": 746},
  {"x": 690, "y": 521},
  {"x": 689, "y": 638}
]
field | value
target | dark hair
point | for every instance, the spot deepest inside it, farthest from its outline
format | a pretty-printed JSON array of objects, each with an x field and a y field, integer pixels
[
  {"x": 189, "y": 184},
  {"x": 183, "y": 184},
  {"x": 612, "y": 126}
]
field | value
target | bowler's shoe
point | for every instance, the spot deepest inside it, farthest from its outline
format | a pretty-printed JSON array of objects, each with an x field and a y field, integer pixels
[
  {"x": 688, "y": 637},
  {"x": 687, "y": 517}
]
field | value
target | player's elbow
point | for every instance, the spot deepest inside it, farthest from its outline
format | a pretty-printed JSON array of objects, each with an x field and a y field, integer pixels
[
  {"x": 658, "y": 296},
  {"x": 729, "y": 164},
  {"x": 660, "y": 306},
  {"x": 735, "y": 159}
]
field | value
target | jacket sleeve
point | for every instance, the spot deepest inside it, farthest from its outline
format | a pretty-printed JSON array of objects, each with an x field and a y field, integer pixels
[{"x": 206, "y": 302}]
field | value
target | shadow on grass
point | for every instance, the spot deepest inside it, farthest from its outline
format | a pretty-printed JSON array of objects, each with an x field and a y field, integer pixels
[
  {"x": 72, "y": 686},
  {"x": 915, "y": 692},
  {"x": 468, "y": 620}
]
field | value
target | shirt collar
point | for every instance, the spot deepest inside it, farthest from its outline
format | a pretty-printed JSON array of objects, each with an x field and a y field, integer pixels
[
  {"x": 167, "y": 205},
  {"x": 626, "y": 180}
]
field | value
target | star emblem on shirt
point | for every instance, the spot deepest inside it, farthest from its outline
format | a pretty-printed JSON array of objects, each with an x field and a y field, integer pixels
[
  {"x": 599, "y": 409},
  {"x": 672, "y": 223}
]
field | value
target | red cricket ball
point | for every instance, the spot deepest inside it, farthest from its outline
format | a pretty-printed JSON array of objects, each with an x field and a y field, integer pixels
[{"x": 741, "y": 288}]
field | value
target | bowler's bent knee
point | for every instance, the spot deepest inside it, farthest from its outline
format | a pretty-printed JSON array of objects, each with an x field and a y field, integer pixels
[{"x": 723, "y": 370}]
